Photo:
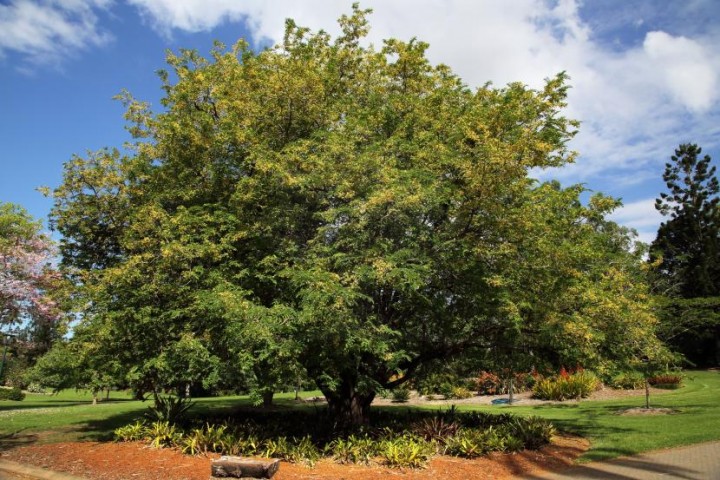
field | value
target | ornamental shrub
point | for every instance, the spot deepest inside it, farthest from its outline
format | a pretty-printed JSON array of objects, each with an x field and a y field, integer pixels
[
  {"x": 473, "y": 443},
  {"x": 169, "y": 409},
  {"x": 406, "y": 451},
  {"x": 14, "y": 394},
  {"x": 131, "y": 433},
  {"x": 353, "y": 449},
  {"x": 406, "y": 439},
  {"x": 566, "y": 386},
  {"x": 533, "y": 432},
  {"x": 666, "y": 380},
  {"x": 459, "y": 393},
  {"x": 490, "y": 384},
  {"x": 627, "y": 380},
  {"x": 401, "y": 395}
]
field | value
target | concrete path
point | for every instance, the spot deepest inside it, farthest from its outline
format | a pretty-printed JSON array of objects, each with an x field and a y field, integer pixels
[
  {"x": 695, "y": 462},
  {"x": 16, "y": 471}
]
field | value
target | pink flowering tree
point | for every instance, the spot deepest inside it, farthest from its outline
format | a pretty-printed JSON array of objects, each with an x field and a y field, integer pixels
[{"x": 27, "y": 276}]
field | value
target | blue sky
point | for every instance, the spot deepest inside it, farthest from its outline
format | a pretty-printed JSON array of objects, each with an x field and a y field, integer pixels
[{"x": 645, "y": 73}]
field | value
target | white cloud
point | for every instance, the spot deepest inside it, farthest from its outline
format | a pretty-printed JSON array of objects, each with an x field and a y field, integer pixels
[
  {"x": 686, "y": 67},
  {"x": 47, "y": 31},
  {"x": 640, "y": 215},
  {"x": 636, "y": 101},
  {"x": 192, "y": 15}
]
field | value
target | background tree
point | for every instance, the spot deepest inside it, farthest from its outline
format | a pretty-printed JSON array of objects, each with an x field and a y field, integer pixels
[
  {"x": 358, "y": 210},
  {"x": 687, "y": 253},
  {"x": 29, "y": 287},
  {"x": 688, "y": 241}
]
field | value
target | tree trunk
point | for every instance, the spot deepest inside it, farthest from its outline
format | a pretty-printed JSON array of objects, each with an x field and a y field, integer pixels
[
  {"x": 267, "y": 397},
  {"x": 349, "y": 407}
]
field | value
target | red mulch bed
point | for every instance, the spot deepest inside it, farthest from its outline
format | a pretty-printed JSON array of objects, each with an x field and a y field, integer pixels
[{"x": 123, "y": 461}]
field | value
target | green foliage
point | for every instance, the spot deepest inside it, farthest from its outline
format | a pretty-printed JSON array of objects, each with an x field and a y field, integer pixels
[
  {"x": 514, "y": 444},
  {"x": 291, "y": 450},
  {"x": 629, "y": 380},
  {"x": 687, "y": 242},
  {"x": 473, "y": 443},
  {"x": 15, "y": 373},
  {"x": 79, "y": 363},
  {"x": 353, "y": 449},
  {"x": 346, "y": 211},
  {"x": 400, "y": 395},
  {"x": 162, "y": 434},
  {"x": 58, "y": 369},
  {"x": 459, "y": 393},
  {"x": 405, "y": 451},
  {"x": 690, "y": 326},
  {"x": 66, "y": 416},
  {"x": 436, "y": 428},
  {"x": 132, "y": 433},
  {"x": 35, "y": 388},
  {"x": 442, "y": 383},
  {"x": 399, "y": 439},
  {"x": 169, "y": 409},
  {"x": 209, "y": 438},
  {"x": 185, "y": 362},
  {"x": 248, "y": 445},
  {"x": 14, "y": 394},
  {"x": 533, "y": 432},
  {"x": 686, "y": 256},
  {"x": 303, "y": 451},
  {"x": 569, "y": 386}
]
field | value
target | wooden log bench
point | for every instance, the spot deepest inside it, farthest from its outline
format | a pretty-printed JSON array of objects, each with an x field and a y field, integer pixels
[{"x": 240, "y": 467}]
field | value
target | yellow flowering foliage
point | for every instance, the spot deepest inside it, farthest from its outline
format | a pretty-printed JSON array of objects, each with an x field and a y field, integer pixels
[{"x": 350, "y": 210}]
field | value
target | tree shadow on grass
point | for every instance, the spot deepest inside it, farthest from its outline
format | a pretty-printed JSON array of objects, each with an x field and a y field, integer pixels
[
  {"x": 628, "y": 468},
  {"x": 57, "y": 403},
  {"x": 101, "y": 430},
  {"x": 589, "y": 423},
  {"x": 12, "y": 440}
]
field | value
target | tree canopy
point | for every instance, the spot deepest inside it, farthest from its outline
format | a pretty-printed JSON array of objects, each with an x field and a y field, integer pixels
[
  {"x": 688, "y": 241},
  {"x": 356, "y": 212}
]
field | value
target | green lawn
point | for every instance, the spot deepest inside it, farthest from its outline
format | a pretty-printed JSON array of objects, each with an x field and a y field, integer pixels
[
  {"x": 612, "y": 435},
  {"x": 70, "y": 416}
]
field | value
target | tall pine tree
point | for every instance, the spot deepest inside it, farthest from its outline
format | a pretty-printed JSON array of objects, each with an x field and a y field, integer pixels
[{"x": 688, "y": 244}]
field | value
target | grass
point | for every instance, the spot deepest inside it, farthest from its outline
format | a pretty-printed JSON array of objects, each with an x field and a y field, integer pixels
[
  {"x": 70, "y": 416},
  {"x": 612, "y": 435}
]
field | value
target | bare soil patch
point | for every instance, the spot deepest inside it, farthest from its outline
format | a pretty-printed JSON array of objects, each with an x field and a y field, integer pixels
[
  {"x": 122, "y": 461},
  {"x": 648, "y": 411}
]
